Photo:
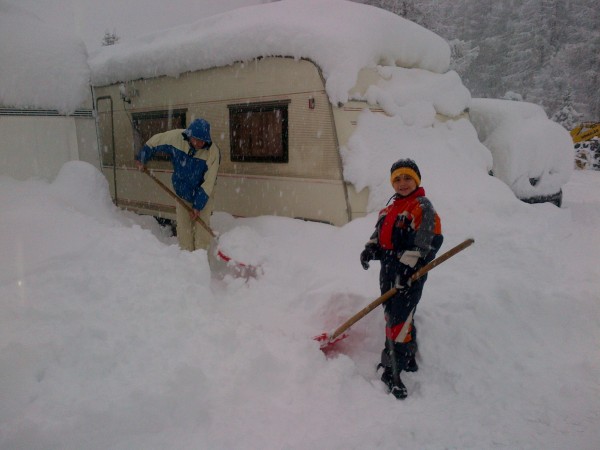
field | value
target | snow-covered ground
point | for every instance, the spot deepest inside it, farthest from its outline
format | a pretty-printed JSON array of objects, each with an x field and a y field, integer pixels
[{"x": 111, "y": 337}]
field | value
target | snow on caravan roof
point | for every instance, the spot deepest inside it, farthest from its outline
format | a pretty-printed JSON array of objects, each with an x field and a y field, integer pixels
[
  {"x": 340, "y": 36},
  {"x": 41, "y": 67}
]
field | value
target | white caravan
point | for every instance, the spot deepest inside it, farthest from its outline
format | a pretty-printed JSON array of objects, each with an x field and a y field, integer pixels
[{"x": 278, "y": 133}]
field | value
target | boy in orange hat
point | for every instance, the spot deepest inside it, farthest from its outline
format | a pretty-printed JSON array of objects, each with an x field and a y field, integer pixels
[{"x": 407, "y": 236}]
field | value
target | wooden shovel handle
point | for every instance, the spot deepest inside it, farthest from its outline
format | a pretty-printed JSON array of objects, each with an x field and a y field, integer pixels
[
  {"x": 386, "y": 296},
  {"x": 180, "y": 201}
]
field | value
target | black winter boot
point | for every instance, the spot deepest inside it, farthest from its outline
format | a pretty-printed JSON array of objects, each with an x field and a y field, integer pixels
[
  {"x": 411, "y": 365},
  {"x": 397, "y": 388},
  {"x": 393, "y": 362},
  {"x": 405, "y": 355}
]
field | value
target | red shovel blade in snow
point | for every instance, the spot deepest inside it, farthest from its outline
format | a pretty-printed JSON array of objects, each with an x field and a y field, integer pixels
[
  {"x": 220, "y": 261},
  {"x": 327, "y": 341},
  {"x": 222, "y": 264}
]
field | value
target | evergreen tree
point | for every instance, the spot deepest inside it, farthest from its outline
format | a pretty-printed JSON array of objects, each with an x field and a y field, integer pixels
[
  {"x": 567, "y": 116},
  {"x": 463, "y": 55},
  {"x": 538, "y": 48},
  {"x": 110, "y": 38}
]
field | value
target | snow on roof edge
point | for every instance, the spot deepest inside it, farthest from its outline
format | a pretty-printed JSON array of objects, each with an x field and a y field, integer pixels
[{"x": 294, "y": 28}]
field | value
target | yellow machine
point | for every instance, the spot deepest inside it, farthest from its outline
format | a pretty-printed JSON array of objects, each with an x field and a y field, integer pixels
[
  {"x": 585, "y": 131},
  {"x": 586, "y": 137}
]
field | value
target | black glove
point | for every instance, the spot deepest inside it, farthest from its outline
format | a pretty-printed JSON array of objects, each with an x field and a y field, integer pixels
[
  {"x": 368, "y": 254},
  {"x": 408, "y": 263},
  {"x": 403, "y": 275}
]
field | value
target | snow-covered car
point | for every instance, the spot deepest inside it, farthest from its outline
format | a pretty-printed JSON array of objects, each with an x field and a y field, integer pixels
[{"x": 531, "y": 153}]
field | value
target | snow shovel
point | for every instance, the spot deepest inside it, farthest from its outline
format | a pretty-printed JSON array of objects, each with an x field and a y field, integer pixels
[
  {"x": 218, "y": 261},
  {"x": 328, "y": 340}
]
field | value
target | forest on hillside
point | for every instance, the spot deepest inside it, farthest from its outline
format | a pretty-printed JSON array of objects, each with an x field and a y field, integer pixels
[{"x": 541, "y": 51}]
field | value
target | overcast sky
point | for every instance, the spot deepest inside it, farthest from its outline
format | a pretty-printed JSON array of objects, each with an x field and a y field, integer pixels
[{"x": 90, "y": 19}]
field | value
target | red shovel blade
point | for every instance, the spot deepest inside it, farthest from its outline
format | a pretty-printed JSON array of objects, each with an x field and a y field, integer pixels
[
  {"x": 222, "y": 264},
  {"x": 326, "y": 342}
]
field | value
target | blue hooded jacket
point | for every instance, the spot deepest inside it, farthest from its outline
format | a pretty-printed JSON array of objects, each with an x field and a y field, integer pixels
[
  {"x": 199, "y": 129},
  {"x": 188, "y": 171}
]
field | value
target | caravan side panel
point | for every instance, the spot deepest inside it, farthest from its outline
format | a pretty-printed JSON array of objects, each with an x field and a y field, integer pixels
[{"x": 309, "y": 185}]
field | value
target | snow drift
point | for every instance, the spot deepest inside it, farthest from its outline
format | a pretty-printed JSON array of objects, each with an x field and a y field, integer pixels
[{"x": 111, "y": 337}]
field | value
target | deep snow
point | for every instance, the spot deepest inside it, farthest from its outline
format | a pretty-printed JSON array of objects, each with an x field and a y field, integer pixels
[{"x": 111, "y": 337}]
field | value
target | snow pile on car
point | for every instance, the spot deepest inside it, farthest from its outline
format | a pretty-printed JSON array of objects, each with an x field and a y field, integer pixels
[{"x": 532, "y": 154}]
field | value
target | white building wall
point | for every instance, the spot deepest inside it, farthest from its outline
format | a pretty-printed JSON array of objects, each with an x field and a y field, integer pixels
[{"x": 38, "y": 145}]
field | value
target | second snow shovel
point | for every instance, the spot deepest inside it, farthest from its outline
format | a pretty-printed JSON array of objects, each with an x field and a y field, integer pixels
[
  {"x": 328, "y": 340},
  {"x": 218, "y": 261}
]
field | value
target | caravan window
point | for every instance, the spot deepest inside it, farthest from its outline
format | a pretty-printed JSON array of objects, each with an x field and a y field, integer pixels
[
  {"x": 259, "y": 132},
  {"x": 147, "y": 124}
]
